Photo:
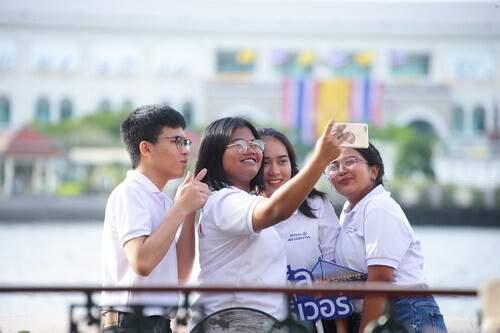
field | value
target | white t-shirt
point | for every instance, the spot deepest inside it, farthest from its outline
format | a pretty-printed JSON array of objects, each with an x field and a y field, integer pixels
[
  {"x": 233, "y": 254},
  {"x": 307, "y": 238},
  {"x": 135, "y": 208},
  {"x": 377, "y": 232}
]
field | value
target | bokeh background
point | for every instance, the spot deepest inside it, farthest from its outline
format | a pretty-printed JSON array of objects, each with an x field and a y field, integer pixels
[{"x": 424, "y": 75}]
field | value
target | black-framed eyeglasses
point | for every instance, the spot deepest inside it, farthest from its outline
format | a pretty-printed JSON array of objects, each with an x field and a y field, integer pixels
[
  {"x": 180, "y": 141},
  {"x": 348, "y": 163},
  {"x": 242, "y": 145}
]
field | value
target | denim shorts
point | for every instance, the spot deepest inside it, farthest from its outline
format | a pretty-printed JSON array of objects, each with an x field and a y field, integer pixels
[{"x": 417, "y": 314}]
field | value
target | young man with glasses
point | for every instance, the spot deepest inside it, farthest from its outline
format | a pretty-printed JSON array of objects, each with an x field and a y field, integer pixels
[{"x": 139, "y": 244}]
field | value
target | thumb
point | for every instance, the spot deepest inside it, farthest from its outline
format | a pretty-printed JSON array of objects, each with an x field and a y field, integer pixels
[
  {"x": 201, "y": 174},
  {"x": 188, "y": 179}
]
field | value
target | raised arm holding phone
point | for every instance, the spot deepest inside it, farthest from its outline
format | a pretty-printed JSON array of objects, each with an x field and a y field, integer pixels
[{"x": 238, "y": 244}]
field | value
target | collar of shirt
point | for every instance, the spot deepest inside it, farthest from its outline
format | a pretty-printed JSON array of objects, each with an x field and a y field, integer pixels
[
  {"x": 379, "y": 189},
  {"x": 147, "y": 183},
  {"x": 232, "y": 187}
]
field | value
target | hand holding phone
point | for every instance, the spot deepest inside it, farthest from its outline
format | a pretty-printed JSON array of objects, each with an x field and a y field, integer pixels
[{"x": 357, "y": 135}]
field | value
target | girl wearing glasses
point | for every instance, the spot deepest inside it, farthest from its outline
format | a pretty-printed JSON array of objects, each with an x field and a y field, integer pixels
[
  {"x": 238, "y": 245},
  {"x": 376, "y": 237},
  {"x": 315, "y": 217}
]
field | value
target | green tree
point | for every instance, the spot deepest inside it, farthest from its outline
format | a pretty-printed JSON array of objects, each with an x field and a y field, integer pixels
[
  {"x": 414, "y": 153},
  {"x": 101, "y": 128},
  {"x": 414, "y": 150}
]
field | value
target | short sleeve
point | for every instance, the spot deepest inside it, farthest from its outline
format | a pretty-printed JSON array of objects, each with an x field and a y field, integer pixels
[
  {"x": 132, "y": 216},
  {"x": 232, "y": 211},
  {"x": 386, "y": 237}
]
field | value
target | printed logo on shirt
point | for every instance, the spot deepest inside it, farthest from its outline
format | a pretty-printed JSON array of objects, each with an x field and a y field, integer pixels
[
  {"x": 298, "y": 236},
  {"x": 351, "y": 230},
  {"x": 201, "y": 235}
]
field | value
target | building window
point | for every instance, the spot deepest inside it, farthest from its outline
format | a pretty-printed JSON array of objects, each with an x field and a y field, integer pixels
[
  {"x": 187, "y": 112},
  {"x": 42, "y": 112},
  {"x": 458, "y": 120},
  {"x": 479, "y": 120},
  {"x": 8, "y": 55},
  {"x": 423, "y": 127},
  {"x": 4, "y": 112},
  {"x": 292, "y": 64},
  {"x": 121, "y": 59},
  {"x": 104, "y": 106},
  {"x": 127, "y": 105},
  {"x": 66, "y": 110},
  {"x": 409, "y": 65},
  {"x": 242, "y": 61},
  {"x": 350, "y": 64}
]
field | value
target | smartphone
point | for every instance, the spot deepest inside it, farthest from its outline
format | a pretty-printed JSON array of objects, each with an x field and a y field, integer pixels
[{"x": 357, "y": 135}]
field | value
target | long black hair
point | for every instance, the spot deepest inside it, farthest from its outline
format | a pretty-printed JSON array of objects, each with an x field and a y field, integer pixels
[
  {"x": 372, "y": 156},
  {"x": 213, "y": 145},
  {"x": 304, "y": 208}
]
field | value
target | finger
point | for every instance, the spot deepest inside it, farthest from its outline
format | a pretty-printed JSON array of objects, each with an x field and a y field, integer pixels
[
  {"x": 188, "y": 179},
  {"x": 201, "y": 174},
  {"x": 339, "y": 128},
  {"x": 329, "y": 127},
  {"x": 201, "y": 187}
]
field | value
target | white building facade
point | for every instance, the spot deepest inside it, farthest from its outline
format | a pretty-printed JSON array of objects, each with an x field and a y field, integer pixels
[{"x": 437, "y": 63}]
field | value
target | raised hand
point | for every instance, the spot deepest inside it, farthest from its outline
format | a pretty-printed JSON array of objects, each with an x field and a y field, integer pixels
[
  {"x": 328, "y": 145},
  {"x": 192, "y": 193}
]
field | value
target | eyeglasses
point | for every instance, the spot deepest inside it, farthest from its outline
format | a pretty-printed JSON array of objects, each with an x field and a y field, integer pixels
[
  {"x": 349, "y": 163},
  {"x": 180, "y": 141},
  {"x": 242, "y": 145}
]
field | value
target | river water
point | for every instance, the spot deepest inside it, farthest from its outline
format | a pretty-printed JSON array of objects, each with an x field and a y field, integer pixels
[{"x": 68, "y": 253}]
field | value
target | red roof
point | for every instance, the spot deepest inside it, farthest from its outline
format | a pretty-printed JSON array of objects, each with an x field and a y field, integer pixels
[{"x": 28, "y": 142}]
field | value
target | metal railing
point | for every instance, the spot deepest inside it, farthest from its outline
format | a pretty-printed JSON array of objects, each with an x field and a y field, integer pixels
[{"x": 336, "y": 289}]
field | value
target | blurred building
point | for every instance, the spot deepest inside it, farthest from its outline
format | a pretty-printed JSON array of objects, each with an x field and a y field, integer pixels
[
  {"x": 29, "y": 162},
  {"x": 294, "y": 64}
]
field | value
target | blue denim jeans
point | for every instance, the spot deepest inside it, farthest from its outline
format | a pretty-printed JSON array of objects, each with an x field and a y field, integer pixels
[
  {"x": 130, "y": 323},
  {"x": 418, "y": 314}
]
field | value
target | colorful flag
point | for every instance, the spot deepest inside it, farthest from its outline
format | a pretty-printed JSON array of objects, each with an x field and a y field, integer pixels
[
  {"x": 334, "y": 102},
  {"x": 306, "y": 112},
  {"x": 287, "y": 103},
  {"x": 366, "y": 101},
  {"x": 299, "y": 106},
  {"x": 377, "y": 102},
  {"x": 308, "y": 105}
]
